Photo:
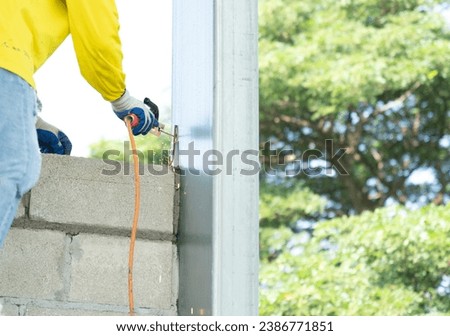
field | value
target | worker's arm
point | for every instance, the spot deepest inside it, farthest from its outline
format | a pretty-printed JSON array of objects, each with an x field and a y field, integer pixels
[{"x": 94, "y": 26}]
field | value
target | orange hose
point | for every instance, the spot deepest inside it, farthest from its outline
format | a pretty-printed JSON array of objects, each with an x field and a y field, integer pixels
[{"x": 137, "y": 201}]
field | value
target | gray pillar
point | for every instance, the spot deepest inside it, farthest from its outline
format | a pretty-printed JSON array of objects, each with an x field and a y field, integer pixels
[{"x": 215, "y": 105}]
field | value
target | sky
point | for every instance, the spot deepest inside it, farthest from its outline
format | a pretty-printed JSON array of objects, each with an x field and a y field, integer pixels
[{"x": 73, "y": 106}]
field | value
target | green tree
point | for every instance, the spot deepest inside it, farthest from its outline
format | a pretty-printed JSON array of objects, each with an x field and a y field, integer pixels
[
  {"x": 373, "y": 77},
  {"x": 152, "y": 149},
  {"x": 285, "y": 210},
  {"x": 388, "y": 262}
]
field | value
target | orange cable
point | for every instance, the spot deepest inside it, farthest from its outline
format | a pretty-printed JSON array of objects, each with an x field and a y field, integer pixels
[{"x": 137, "y": 202}]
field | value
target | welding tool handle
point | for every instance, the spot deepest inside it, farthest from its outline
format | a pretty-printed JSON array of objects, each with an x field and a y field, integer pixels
[{"x": 153, "y": 107}]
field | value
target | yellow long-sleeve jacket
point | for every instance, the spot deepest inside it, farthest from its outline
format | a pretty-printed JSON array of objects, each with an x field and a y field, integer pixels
[{"x": 31, "y": 30}]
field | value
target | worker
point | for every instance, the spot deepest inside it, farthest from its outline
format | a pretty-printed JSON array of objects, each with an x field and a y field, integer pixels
[{"x": 30, "y": 31}]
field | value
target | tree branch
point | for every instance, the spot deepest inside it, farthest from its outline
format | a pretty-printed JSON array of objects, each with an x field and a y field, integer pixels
[{"x": 400, "y": 100}]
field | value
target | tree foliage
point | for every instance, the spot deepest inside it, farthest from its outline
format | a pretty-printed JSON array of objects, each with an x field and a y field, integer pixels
[
  {"x": 372, "y": 76},
  {"x": 281, "y": 205},
  {"x": 387, "y": 262},
  {"x": 151, "y": 149},
  {"x": 284, "y": 210}
]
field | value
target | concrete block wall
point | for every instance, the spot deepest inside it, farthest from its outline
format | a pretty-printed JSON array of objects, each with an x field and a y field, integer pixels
[{"x": 67, "y": 252}]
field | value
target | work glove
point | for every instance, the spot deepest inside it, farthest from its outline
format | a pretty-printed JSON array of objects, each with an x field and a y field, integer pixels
[
  {"x": 127, "y": 105},
  {"x": 51, "y": 139}
]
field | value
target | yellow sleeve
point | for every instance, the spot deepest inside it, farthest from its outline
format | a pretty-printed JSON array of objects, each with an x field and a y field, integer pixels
[{"x": 94, "y": 26}]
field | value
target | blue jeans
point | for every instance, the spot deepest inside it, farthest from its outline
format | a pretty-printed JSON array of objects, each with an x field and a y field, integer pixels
[{"x": 20, "y": 159}]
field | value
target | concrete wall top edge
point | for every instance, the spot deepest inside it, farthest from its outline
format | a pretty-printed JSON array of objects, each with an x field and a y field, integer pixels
[{"x": 77, "y": 191}]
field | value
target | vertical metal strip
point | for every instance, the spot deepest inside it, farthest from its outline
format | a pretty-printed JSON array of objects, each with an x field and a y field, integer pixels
[
  {"x": 215, "y": 105},
  {"x": 235, "y": 195}
]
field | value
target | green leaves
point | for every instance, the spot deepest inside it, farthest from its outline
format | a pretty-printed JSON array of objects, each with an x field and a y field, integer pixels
[
  {"x": 284, "y": 204},
  {"x": 387, "y": 262},
  {"x": 339, "y": 59},
  {"x": 370, "y": 75},
  {"x": 152, "y": 149}
]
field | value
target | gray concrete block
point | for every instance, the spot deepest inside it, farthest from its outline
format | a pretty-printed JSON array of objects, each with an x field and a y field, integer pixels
[
  {"x": 30, "y": 262},
  {"x": 33, "y": 310},
  {"x": 100, "y": 271},
  {"x": 79, "y": 192},
  {"x": 8, "y": 309},
  {"x": 20, "y": 211}
]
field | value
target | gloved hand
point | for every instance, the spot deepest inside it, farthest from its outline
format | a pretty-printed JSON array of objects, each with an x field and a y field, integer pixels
[
  {"x": 51, "y": 139},
  {"x": 127, "y": 104}
]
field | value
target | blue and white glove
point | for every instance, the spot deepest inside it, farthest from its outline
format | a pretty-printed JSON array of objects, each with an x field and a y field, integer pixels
[
  {"x": 127, "y": 104},
  {"x": 51, "y": 139}
]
